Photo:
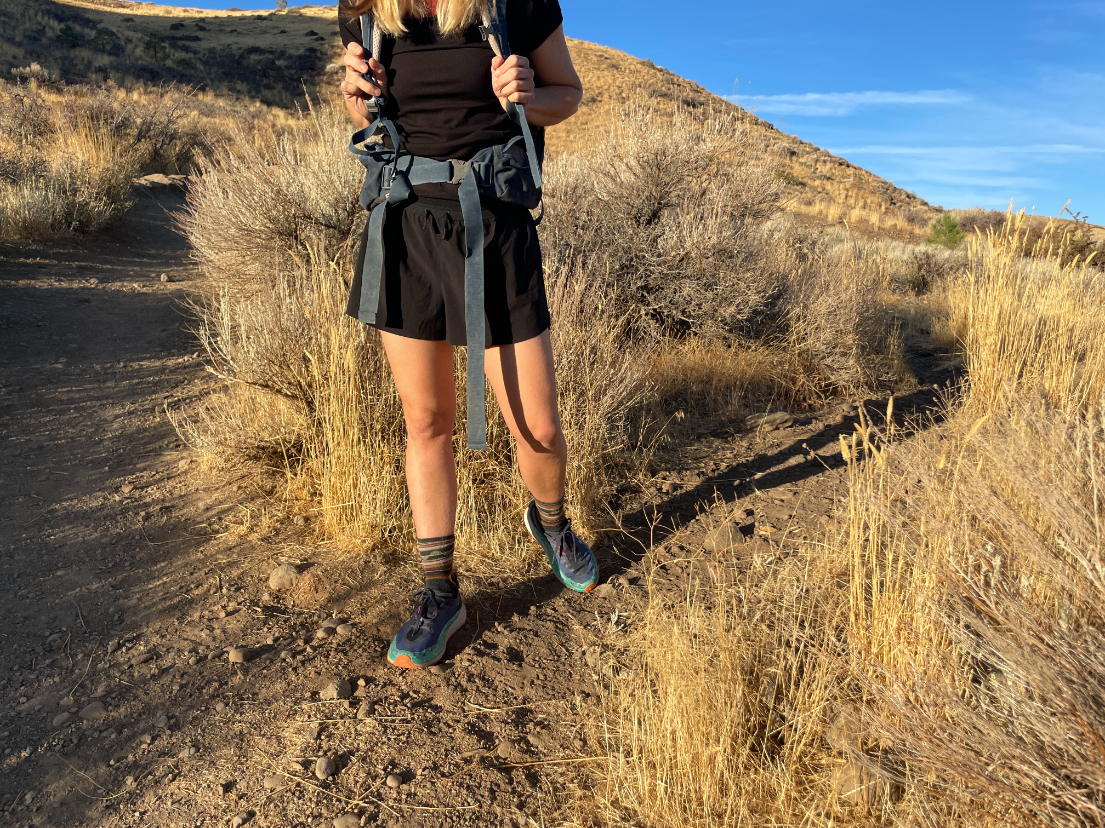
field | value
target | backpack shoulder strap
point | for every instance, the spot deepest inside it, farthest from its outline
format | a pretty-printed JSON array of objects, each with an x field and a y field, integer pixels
[
  {"x": 372, "y": 38},
  {"x": 493, "y": 29}
]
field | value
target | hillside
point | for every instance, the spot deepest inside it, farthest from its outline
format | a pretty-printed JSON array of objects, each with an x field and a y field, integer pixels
[{"x": 274, "y": 56}]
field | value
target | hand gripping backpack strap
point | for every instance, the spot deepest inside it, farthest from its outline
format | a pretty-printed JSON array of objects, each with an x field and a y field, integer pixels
[
  {"x": 494, "y": 31},
  {"x": 372, "y": 39}
]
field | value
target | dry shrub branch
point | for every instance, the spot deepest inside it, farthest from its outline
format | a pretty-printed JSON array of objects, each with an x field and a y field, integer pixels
[{"x": 669, "y": 211}]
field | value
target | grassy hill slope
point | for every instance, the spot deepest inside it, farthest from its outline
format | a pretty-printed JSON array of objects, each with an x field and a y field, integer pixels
[{"x": 272, "y": 56}]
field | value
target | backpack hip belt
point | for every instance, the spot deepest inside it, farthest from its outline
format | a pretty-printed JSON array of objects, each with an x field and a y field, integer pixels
[{"x": 509, "y": 172}]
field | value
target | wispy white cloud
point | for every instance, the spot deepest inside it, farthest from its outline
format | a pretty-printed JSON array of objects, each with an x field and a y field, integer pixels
[
  {"x": 1034, "y": 149},
  {"x": 838, "y": 104}
]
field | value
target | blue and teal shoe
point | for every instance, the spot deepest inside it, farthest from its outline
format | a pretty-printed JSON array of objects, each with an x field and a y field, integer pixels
[
  {"x": 421, "y": 641},
  {"x": 570, "y": 558}
]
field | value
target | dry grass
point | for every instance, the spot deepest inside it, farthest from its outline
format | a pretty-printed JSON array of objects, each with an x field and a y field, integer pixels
[
  {"x": 68, "y": 154},
  {"x": 715, "y": 720},
  {"x": 937, "y": 660},
  {"x": 1032, "y": 322}
]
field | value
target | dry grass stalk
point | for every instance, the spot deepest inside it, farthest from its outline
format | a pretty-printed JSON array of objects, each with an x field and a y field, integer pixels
[{"x": 1031, "y": 325}]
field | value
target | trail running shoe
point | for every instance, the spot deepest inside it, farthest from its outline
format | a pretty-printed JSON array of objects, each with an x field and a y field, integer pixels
[
  {"x": 571, "y": 559},
  {"x": 421, "y": 641}
]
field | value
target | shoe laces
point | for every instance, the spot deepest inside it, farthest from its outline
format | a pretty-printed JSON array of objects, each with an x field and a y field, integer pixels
[
  {"x": 564, "y": 542},
  {"x": 428, "y": 605}
]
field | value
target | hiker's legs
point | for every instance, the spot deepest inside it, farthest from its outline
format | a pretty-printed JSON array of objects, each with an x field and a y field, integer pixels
[
  {"x": 423, "y": 374},
  {"x": 524, "y": 382}
]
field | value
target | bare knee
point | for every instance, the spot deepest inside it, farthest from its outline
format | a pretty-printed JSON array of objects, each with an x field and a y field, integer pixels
[
  {"x": 426, "y": 425},
  {"x": 544, "y": 436}
]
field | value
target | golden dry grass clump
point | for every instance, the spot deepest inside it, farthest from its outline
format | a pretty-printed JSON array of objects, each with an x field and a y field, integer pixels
[
  {"x": 69, "y": 154},
  {"x": 937, "y": 658}
]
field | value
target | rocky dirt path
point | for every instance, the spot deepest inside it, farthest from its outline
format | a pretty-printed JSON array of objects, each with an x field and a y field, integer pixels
[{"x": 150, "y": 673}]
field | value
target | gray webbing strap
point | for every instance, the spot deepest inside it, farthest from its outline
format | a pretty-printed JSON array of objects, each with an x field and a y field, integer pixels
[
  {"x": 474, "y": 325},
  {"x": 417, "y": 171}
]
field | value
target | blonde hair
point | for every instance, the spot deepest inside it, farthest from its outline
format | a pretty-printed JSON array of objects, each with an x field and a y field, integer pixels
[{"x": 453, "y": 16}]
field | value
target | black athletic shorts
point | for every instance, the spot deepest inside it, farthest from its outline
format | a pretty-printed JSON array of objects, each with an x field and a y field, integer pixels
[{"x": 422, "y": 295}]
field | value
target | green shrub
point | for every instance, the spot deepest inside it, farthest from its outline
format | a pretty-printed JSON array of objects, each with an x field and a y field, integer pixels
[
  {"x": 66, "y": 36},
  {"x": 102, "y": 40},
  {"x": 946, "y": 231},
  {"x": 789, "y": 178},
  {"x": 155, "y": 47}
]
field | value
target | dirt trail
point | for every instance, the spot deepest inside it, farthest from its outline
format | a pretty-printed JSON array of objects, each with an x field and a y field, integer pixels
[{"x": 123, "y": 581}]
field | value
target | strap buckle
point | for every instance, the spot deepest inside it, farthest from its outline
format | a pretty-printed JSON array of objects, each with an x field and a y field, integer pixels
[{"x": 492, "y": 29}]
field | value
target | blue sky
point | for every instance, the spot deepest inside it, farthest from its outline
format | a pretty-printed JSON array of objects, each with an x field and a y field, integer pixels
[{"x": 976, "y": 103}]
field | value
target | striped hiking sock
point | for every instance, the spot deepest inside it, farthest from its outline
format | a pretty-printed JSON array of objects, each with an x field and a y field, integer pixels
[
  {"x": 551, "y": 514},
  {"x": 437, "y": 563}
]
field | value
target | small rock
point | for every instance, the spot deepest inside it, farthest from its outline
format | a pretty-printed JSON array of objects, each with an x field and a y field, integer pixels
[
  {"x": 769, "y": 422},
  {"x": 141, "y": 658},
  {"x": 602, "y": 591},
  {"x": 848, "y": 409},
  {"x": 57, "y": 641},
  {"x": 332, "y": 623},
  {"x": 165, "y": 278},
  {"x": 220, "y": 707},
  {"x": 95, "y": 710},
  {"x": 347, "y": 821},
  {"x": 162, "y": 722},
  {"x": 366, "y": 711},
  {"x": 344, "y": 629},
  {"x": 284, "y": 576},
  {"x": 241, "y": 819},
  {"x": 272, "y": 781},
  {"x": 324, "y": 633},
  {"x": 325, "y": 767},
  {"x": 182, "y": 465},
  {"x": 193, "y": 661},
  {"x": 473, "y": 754},
  {"x": 503, "y": 750},
  {"x": 538, "y": 740},
  {"x": 336, "y": 690},
  {"x": 239, "y": 655},
  {"x": 126, "y": 488},
  {"x": 300, "y": 520},
  {"x": 62, "y": 719},
  {"x": 314, "y": 733},
  {"x": 438, "y": 670},
  {"x": 393, "y": 781}
]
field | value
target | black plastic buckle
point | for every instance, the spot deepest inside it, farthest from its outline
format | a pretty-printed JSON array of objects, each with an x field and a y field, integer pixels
[{"x": 487, "y": 31}]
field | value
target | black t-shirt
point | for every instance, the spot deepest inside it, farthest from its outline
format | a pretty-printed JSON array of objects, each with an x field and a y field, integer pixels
[{"x": 439, "y": 88}]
